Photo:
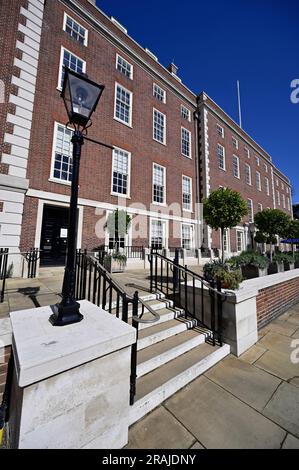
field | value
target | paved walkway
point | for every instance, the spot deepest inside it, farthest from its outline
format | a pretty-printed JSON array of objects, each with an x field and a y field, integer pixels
[{"x": 246, "y": 402}]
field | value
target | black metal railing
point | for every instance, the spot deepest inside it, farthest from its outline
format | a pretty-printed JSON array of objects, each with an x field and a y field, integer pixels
[
  {"x": 131, "y": 252},
  {"x": 94, "y": 283},
  {"x": 189, "y": 291},
  {"x": 3, "y": 271},
  {"x": 32, "y": 256}
]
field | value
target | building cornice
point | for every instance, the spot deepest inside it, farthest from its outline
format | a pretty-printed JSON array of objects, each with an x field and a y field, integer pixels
[
  {"x": 203, "y": 101},
  {"x": 86, "y": 15}
]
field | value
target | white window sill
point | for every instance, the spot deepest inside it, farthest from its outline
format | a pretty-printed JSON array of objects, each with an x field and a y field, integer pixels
[
  {"x": 222, "y": 169},
  {"x": 186, "y": 156},
  {"x": 190, "y": 211},
  {"x": 123, "y": 196},
  {"x": 56, "y": 180},
  {"x": 159, "y": 142},
  {"x": 123, "y": 122},
  {"x": 161, "y": 204}
]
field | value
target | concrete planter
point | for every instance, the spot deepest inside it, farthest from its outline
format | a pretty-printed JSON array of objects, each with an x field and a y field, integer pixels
[
  {"x": 275, "y": 268},
  {"x": 297, "y": 264},
  {"x": 249, "y": 271},
  {"x": 289, "y": 266},
  {"x": 114, "y": 265}
]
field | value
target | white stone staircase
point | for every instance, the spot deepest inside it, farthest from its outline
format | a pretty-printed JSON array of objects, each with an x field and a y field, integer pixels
[{"x": 171, "y": 353}]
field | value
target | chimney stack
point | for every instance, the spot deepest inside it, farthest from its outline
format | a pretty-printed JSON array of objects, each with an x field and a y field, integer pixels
[{"x": 173, "y": 69}]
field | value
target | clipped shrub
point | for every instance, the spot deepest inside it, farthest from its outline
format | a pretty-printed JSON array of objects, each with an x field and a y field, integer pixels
[
  {"x": 229, "y": 279},
  {"x": 249, "y": 258}
]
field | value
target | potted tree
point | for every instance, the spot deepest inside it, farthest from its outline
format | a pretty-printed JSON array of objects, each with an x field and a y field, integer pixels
[
  {"x": 251, "y": 263},
  {"x": 224, "y": 209},
  {"x": 272, "y": 222},
  {"x": 229, "y": 278},
  {"x": 117, "y": 225}
]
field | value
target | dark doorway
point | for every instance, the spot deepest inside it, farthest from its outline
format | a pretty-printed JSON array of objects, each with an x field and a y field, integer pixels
[{"x": 54, "y": 236}]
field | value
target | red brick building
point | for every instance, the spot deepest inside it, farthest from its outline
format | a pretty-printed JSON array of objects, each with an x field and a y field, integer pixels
[{"x": 164, "y": 159}]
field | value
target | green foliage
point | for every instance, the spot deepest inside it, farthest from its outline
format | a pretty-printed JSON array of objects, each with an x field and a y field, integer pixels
[
  {"x": 283, "y": 258},
  {"x": 229, "y": 279},
  {"x": 224, "y": 208},
  {"x": 249, "y": 258},
  {"x": 118, "y": 223},
  {"x": 116, "y": 256},
  {"x": 210, "y": 269},
  {"x": 219, "y": 271},
  {"x": 260, "y": 237},
  {"x": 292, "y": 229},
  {"x": 272, "y": 222}
]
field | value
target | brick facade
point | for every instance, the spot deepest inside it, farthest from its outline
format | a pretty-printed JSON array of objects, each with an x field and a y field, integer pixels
[
  {"x": 275, "y": 300},
  {"x": 34, "y": 42}
]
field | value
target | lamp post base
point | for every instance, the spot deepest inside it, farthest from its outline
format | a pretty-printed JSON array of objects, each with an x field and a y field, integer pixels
[{"x": 66, "y": 314}]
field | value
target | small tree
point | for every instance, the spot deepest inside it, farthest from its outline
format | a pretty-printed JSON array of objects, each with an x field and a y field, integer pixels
[
  {"x": 272, "y": 222},
  {"x": 224, "y": 209},
  {"x": 117, "y": 225},
  {"x": 292, "y": 231}
]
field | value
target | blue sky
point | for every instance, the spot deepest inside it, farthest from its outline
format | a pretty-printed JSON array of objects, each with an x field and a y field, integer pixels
[{"x": 215, "y": 43}]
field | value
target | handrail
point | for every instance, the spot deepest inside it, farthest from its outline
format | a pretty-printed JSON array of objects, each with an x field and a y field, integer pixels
[
  {"x": 124, "y": 292},
  {"x": 192, "y": 273},
  {"x": 150, "y": 309}
]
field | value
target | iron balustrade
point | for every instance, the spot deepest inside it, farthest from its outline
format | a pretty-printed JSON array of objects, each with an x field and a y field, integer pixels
[
  {"x": 3, "y": 271},
  {"x": 189, "y": 291},
  {"x": 32, "y": 256},
  {"x": 94, "y": 283},
  {"x": 131, "y": 252}
]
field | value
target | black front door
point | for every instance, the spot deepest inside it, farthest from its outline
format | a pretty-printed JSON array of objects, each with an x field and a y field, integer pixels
[{"x": 54, "y": 236}]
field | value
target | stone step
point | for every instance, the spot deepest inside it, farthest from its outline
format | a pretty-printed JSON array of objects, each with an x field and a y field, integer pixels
[
  {"x": 158, "y": 385},
  {"x": 156, "y": 304},
  {"x": 166, "y": 314},
  {"x": 160, "y": 353},
  {"x": 162, "y": 331}
]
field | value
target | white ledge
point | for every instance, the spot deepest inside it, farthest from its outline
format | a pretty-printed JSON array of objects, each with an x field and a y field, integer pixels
[{"x": 42, "y": 350}]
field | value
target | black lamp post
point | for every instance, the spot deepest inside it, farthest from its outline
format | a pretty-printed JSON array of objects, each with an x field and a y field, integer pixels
[{"x": 81, "y": 97}]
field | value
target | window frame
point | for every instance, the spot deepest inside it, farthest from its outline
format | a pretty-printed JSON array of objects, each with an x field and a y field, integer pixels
[
  {"x": 59, "y": 86},
  {"x": 52, "y": 178},
  {"x": 191, "y": 235},
  {"x": 165, "y": 230},
  {"x": 114, "y": 193},
  {"x": 238, "y": 165},
  {"x": 251, "y": 212},
  {"x": 235, "y": 143},
  {"x": 165, "y": 128},
  {"x": 250, "y": 175},
  {"x": 241, "y": 232},
  {"x": 267, "y": 186},
  {"x": 131, "y": 105},
  {"x": 224, "y": 158},
  {"x": 258, "y": 180},
  {"x": 118, "y": 56},
  {"x": 247, "y": 151},
  {"x": 188, "y": 119},
  {"x": 191, "y": 199},
  {"x": 218, "y": 127},
  {"x": 164, "y": 192},
  {"x": 65, "y": 16},
  {"x": 190, "y": 142},
  {"x": 162, "y": 89}
]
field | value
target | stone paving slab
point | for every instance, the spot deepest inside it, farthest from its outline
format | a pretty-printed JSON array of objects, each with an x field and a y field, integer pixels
[
  {"x": 291, "y": 442},
  {"x": 276, "y": 342},
  {"x": 284, "y": 328},
  {"x": 244, "y": 381},
  {"x": 219, "y": 420},
  {"x": 160, "y": 430},
  {"x": 253, "y": 354},
  {"x": 283, "y": 408},
  {"x": 278, "y": 364}
]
